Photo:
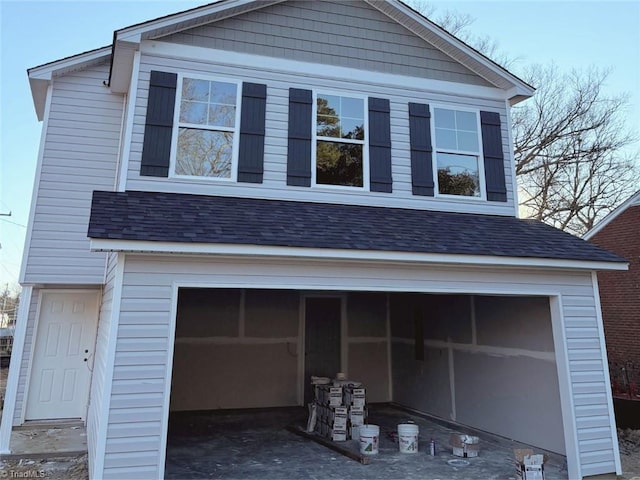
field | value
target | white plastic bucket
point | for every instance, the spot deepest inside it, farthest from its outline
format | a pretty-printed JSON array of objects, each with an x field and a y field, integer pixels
[
  {"x": 369, "y": 435},
  {"x": 408, "y": 438}
]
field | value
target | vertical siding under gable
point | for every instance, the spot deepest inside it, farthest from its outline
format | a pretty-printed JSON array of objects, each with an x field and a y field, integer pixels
[
  {"x": 135, "y": 429},
  {"x": 275, "y": 150},
  {"x": 80, "y": 155},
  {"x": 348, "y": 34}
]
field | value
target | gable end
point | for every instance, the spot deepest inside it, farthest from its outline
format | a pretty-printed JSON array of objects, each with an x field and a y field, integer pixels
[{"x": 347, "y": 34}]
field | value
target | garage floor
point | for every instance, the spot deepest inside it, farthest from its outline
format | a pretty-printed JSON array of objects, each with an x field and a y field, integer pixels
[{"x": 254, "y": 444}]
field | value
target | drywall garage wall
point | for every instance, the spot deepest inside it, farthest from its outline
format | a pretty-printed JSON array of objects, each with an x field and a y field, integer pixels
[
  {"x": 238, "y": 348},
  {"x": 235, "y": 349},
  {"x": 368, "y": 348},
  {"x": 482, "y": 361}
]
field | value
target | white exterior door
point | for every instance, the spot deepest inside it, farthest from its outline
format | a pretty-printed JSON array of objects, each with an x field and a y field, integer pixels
[{"x": 63, "y": 356}]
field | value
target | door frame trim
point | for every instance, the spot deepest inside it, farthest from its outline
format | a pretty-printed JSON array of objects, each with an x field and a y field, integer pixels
[
  {"x": 36, "y": 326},
  {"x": 344, "y": 340}
]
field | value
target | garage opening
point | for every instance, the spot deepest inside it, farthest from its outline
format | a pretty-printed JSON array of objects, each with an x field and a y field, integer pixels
[{"x": 485, "y": 362}]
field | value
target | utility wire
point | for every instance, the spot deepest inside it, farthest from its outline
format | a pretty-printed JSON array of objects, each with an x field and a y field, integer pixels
[{"x": 14, "y": 223}]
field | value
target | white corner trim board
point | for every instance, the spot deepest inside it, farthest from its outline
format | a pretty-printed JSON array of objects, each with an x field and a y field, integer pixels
[
  {"x": 36, "y": 186},
  {"x": 131, "y": 98},
  {"x": 14, "y": 369},
  {"x": 101, "y": 443},
  {"x": 137, "y": 246},
  {"x": 607, "y": 377}
]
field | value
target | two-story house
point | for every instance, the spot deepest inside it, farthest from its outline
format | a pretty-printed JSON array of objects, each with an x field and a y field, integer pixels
[{"x": 235, "y": 197}]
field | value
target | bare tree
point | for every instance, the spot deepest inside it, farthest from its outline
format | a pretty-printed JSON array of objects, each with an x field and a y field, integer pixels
[
  {"x": 573, "y": 154},
  {"x": 570, "y": 142},
  {"x": 458, "y": 24}
]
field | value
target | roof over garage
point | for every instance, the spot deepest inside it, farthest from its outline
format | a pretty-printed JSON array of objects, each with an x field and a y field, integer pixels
[{"x": 136, "y": 217}]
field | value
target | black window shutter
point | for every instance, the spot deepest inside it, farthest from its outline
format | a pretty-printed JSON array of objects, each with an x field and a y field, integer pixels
[
  {"x": 493, "y": 156},
  {"x": 252, "y": 124},
  {"x": 380, "y": 145},
  {"x": 156, "y": 147},
  {"x": 421, "y": 149},
  {"x": 299, "y": 149}
]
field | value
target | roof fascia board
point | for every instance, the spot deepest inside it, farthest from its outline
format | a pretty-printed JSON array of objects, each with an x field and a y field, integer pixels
[
  {"x": 49, "y": 70},
  {"x": 280, "y": 65},
  {"x": 520, "y": 88},
  {"x": 137, "y": 246},
  {"x": 136, "y": 33},
  {"x": 630, "y": 202}
]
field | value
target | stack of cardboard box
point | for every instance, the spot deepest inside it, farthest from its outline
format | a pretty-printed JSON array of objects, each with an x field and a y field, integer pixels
[
  {"x": 529, "y": 466},
  {"x": 340, "y": 410}
]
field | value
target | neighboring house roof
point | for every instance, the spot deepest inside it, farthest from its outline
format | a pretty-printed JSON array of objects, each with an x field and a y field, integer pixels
[
  {"x": 632, "y": 201},
  {"x": 126, "y": 41},
  {"x": 182, "y": 218}
]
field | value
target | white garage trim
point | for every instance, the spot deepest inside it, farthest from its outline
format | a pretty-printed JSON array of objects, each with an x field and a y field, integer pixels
[
  {"x": 564, "y": 384},
  {"x": 605, "y": 363},
  {"x": 167, "y": 379}
]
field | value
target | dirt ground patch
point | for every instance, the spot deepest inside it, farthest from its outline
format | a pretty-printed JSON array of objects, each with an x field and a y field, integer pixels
[
  {"x": 51, "y": 468},
  {"x": 629, "y": 442}
]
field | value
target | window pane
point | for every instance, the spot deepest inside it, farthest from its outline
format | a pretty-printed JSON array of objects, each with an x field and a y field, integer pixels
[
  {"x": 446, "y": 139},
  {"x": 222, "y": 115},
  {"x": 328, "y": 126},
  {"x": 204, "y": 153},
  {"x": 224, "y": 93},
  {"x": 458, "y": 175},
  {"x": 468, "y": 141},
  {"x": 466, "y": 121},
  {"x": 445, "y": 118},
  {"x": 328, "y": 105},
  {"x": 352, "y": 128},
  {"x": 352, "y": 107},
  {"x": 193, "y": 89},
  {"x": 193, "y": 112},
  {"x": 339, "y": 164}
]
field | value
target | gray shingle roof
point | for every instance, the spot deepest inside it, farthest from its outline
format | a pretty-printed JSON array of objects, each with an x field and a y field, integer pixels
[{"x": 171, "y": 217}]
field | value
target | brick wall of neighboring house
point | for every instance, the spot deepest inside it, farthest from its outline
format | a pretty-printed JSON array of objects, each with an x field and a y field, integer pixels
[{"x": 620, "y": 296}]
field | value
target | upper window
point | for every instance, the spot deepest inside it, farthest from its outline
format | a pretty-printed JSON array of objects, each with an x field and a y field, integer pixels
[
  {"x": 340, "y": 141},
  {"x": 457, "y": 152},
  {"x": 208, "y": 113}
]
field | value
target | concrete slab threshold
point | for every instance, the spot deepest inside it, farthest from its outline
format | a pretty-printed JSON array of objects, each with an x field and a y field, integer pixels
[
  {"x": 254, "y": 444},
  {"x": 50, "y": 439}
]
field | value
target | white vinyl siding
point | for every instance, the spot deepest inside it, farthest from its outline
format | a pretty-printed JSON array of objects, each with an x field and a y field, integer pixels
[
  {"x": 100, "y": 365},
  {"x": 26, "y": 357},
  {"x": 332, "y": 33},
  {"x": 136, "y": 422},
  {"x": 274, "y": 185},
  {"x": 80, "y": 154}
]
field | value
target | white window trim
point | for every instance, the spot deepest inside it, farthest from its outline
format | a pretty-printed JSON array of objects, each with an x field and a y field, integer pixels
[
  {"x": 436, "y": 150},
  {"x": 176, "y": 127},
  {"x": 366, "y": 174}
]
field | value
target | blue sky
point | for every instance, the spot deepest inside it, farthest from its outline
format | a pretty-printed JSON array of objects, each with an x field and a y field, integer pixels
[{"x": 571, "y": 34}]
